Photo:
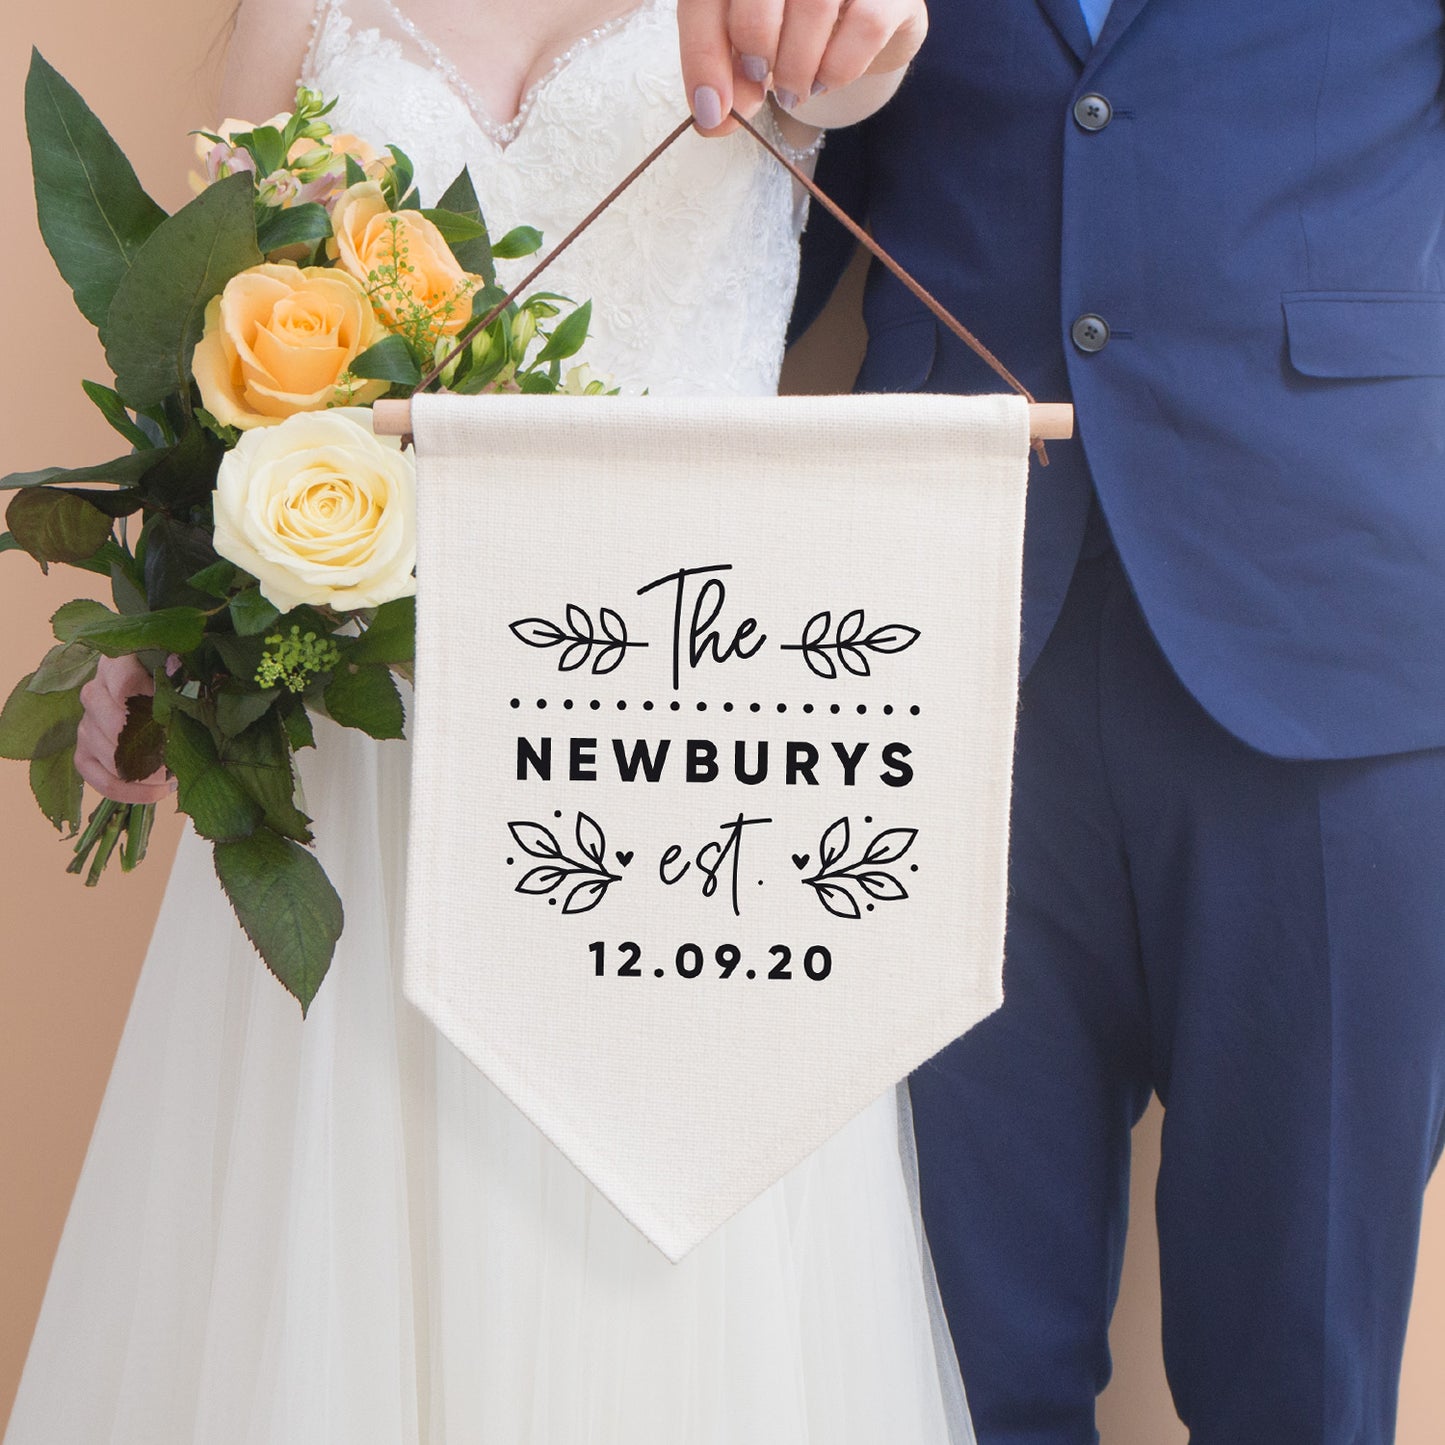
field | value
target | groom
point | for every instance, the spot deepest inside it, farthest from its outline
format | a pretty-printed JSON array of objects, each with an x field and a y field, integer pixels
[{"x": 1219, "y": 227}]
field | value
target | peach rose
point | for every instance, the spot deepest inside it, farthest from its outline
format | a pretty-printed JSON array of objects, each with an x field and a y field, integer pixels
[
  {"x": 342, "y": 143},
  {"x": 416, "y": 284},
  {"x": 318, "y": 168},
  {"x": 279, "y": 340}
]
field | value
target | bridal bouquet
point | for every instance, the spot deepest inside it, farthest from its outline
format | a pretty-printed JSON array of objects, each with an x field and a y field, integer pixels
[{"x": 258, "y": 538}]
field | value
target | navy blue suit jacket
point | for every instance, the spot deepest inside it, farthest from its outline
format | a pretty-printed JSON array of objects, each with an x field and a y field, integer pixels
[{"x": 1262, "y": 226}]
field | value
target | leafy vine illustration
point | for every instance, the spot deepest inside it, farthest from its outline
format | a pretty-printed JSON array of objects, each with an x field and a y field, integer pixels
[
  {"x": 833, "y": 879},
  {"x": 848, "y": 645},
  {"x": 608, "y": 637},
  {"x": 589, "y": 880}
]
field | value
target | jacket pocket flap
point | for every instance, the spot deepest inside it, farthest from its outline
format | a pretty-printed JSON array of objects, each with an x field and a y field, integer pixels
[{"x": 1366, "y": 333}]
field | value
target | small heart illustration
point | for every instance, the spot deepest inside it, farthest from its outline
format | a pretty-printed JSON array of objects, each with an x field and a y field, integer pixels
[
  {"x": 625, "y": 858},
  {"x": 800, "y": 860}
]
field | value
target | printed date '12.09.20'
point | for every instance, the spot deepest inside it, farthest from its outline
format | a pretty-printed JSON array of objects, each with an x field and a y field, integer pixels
[{"x": 690, "y": 961}]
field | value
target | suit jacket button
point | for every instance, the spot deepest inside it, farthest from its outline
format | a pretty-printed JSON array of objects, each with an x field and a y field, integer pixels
[
  {"x": 1090, "y": 333},
  {"x": 1092, "y": 112}
]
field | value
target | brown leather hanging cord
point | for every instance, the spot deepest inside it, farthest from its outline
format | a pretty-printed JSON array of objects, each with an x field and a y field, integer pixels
[{"x": 808, "y": 184}]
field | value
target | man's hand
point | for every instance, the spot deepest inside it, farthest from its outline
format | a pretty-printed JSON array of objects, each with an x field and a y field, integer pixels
[{"x": 734, "y": 51}]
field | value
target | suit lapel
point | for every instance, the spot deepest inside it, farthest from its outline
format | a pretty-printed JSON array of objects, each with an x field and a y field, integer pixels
[
  {"x": 1122, "y": 14},
  {"x": 1068, "y": 20}
]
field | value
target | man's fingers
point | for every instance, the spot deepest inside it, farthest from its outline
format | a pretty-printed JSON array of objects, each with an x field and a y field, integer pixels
[
  {"x": 863, "y": 33},
  {"x": 707, "y": 61},
  {"x": 806, "y": 31}
]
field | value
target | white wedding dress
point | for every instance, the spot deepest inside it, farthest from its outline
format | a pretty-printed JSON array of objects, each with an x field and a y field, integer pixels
[{"x": 337, "y": 1231}]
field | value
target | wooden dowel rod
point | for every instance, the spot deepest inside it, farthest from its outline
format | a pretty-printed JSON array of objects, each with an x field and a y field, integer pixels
[
  {"x": 1049, "y": 421},
  {"x": 391, "y": 418}
]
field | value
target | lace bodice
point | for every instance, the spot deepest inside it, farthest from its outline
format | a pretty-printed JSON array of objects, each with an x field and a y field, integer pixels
[{"x": 691, "y": 271}]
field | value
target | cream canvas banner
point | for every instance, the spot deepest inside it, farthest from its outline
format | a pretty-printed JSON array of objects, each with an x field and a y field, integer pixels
[{"x": 712, "y": 745}]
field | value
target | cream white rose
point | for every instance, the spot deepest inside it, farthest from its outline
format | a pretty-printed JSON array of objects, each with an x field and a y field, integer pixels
[{"x": 319, "y": 510}]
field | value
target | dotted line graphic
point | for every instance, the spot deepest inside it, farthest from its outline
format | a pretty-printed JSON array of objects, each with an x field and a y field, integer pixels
[{"x": 595, "y": 704}]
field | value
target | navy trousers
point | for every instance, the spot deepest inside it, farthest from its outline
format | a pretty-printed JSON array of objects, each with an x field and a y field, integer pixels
[{"x": 1260, "y": 942}]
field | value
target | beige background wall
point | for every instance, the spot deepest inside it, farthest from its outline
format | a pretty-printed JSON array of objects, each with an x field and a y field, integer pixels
[{"x": 68, "y": 955}]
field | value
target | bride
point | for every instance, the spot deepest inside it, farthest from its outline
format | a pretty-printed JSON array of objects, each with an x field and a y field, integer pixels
[{"x": 337, "y": 1232}]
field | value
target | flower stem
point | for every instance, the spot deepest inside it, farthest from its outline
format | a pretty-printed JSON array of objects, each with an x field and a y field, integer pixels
[
  {"x": 108, "y": 839},
  {"x": 137, "y": 834},
  {"x": 93, "y": 829}
]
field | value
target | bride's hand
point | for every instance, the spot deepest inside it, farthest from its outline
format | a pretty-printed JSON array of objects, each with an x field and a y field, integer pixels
[{"x": 827, "y": 62}]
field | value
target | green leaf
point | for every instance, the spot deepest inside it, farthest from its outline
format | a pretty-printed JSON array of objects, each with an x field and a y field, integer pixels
[
  {"x": 93, "y": 214},
  {"x": 251, "y": 612},
  {"x": 568, "y": 337},
  {"x": 537, "y": 383},
  {"x": 141, "y": 746},
  {"x": 228, "y": 436},
  {"x": 9, "y": 544},
  {"x": 68, "y": 619},
  {"x": 216, "y": 802},
  {"x": 455, "y": 229},
  {"x": 302, "y": 225},
  {"x": 215, "y": 580},
  {"x": 260, "y": 760},
  {"x": 124, "y": 502},
  {"x": 68, "y": 665},
  {"x": 266, "y": 147},
  {"x": 174, "y": 552},
  {"x": 287, "y": 906},
  {"x": 397, "y": 185},
  {"x": 171, "y": 629},
  {"x": 113, "y": 409},
  {"x": 485, "y": 301},
  {"x": 472, "y": 382},
  {"x": 186, "y": 477},
  {"x": 237, "y": 707},
  {"x": 104, "y": 559},
  {"x": 390, "y": 636},
  {"x": 38, "y": 724},
  {"x": 123, "y": 471},
  {"x": 355, "y": 175},
  {"x": 389, "y": 360},
  {"x": 169, "y": 698},
  {"x": 297, "y": 722},
  {"x": 476, "y": 255},
  {"x": 159, "y": 308},
  {"x": 56, "y": 526},
  {"x": 366, "y": 698},
  {"x": 58, "y": 787},
  {"x": 242, "y": 655},
  {"x": 124, "y": 591},
  {"x": 519, "y": 241}
]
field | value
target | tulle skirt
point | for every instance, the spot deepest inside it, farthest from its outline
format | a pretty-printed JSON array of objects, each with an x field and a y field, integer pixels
[{"x": 336, "y": 1232}]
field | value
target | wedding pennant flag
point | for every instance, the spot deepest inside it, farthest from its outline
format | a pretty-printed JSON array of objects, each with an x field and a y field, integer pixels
[{"x": 712, "y": 739}]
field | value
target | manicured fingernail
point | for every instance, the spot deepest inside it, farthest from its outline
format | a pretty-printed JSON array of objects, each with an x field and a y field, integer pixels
[
  {"x": 707, "y": 107},
  {"x": 818, "y": 88},
  {"x": 786, "y": 99},
  {"x": 755, "y": 67}
]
